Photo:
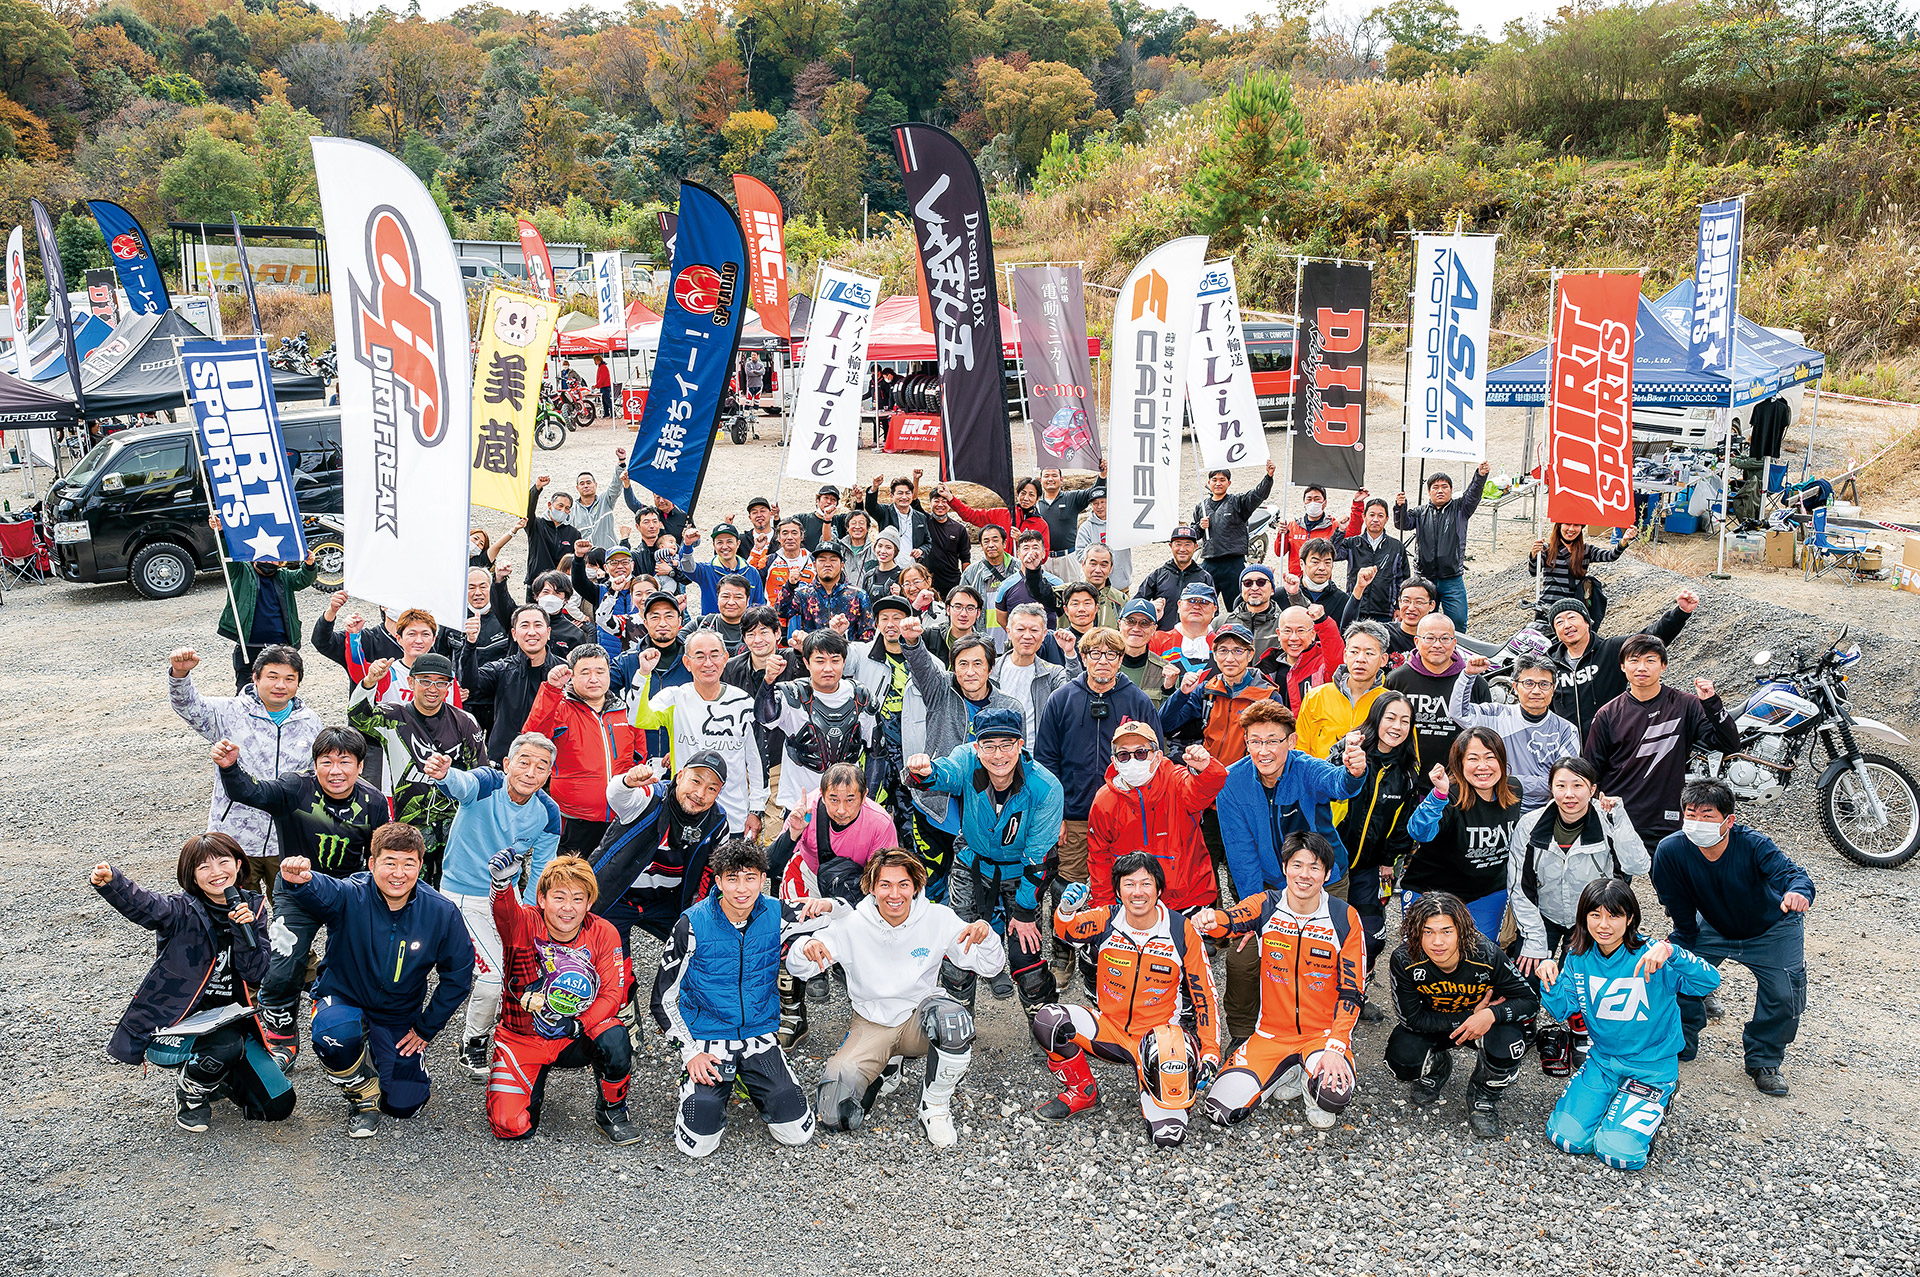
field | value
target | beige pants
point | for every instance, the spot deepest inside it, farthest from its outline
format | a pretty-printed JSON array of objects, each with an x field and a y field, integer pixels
[
  {"x": 1073, "y": 851},
  {"x": 868, "y": 1048}
]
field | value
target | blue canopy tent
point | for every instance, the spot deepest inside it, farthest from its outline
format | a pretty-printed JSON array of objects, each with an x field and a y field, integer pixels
[
  {"x": 50, "y": 360},
  {"x": 1661, "y": 376},
  {"x": 1795, "y": 364}
]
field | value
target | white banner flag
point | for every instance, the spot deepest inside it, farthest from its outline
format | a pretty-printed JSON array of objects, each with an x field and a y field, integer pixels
[
  {"x": 1452, "y": 304},
  {"x": 1226, "y": 411},
  {"x": 1152, "y": 333},
  {"x": 17, "y": 299},
  {"x": 826, "y": 411},
  {"x": 609, "y": 289},
  {"x": 406, "y": 377}
]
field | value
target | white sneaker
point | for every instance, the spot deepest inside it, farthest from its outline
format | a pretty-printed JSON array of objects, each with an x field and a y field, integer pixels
[
  {"x": 939, "y": 1124},
  {"x": 1290, "y": 1085},
  {"x": 1318, "y": 1118},
  {"x": 893, "y": 1075}
]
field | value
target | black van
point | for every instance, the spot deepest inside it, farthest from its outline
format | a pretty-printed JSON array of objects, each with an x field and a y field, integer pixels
[{"x": 135, "y": 508}]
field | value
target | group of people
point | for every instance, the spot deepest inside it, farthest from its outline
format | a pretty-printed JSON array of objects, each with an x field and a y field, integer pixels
[{"x": 800, "y": 761}]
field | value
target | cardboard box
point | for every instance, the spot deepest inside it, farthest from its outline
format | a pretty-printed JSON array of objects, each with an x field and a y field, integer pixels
[
  {"x": 1911, "y": 559},
  {"x": 1780, "y": 548}
]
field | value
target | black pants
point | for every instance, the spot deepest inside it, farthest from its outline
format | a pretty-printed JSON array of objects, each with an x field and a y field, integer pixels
[
  {"x": 1364, "y": 895},
  {"x": 220, "y": 1065},
  {"x": 579, "y": 836},
  {"x": 1497, "y": 1056},
  {"x": 972, "y": 892}
]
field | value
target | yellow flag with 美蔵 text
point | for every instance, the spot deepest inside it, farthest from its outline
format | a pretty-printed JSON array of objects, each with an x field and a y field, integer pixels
[{"x": 515, "y": 330}]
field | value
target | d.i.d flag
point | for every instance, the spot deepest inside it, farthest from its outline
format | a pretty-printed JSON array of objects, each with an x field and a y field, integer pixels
[{"x": 1330, "y": 375}]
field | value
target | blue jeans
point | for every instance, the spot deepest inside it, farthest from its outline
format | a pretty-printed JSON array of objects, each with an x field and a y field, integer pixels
[
  {"x": 1453, "y": 599},
  {"x": 1777, "y": 959}
]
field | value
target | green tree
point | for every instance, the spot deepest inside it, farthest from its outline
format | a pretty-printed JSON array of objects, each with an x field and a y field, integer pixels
[
  {"x": 1033, "y": 104},
  {"x": 81, "y": 246},
  {"x": 288, "y": 196},
  {"x": 902, "y": 46},
  {"x": 831, "y": 162},
  {"x": 1256, "y": 162},
  {"x": 36, "y": 53},
  {"x": 211, "y": 180}
]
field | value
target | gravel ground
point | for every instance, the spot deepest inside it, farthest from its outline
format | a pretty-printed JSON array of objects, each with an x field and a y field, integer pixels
[{"x": 100, "y": 1180}]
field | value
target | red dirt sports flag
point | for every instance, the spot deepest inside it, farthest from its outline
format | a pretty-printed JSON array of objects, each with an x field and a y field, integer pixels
[
  {"x": 406, "y": 378},
  {"x": 1590, "y": 401}
]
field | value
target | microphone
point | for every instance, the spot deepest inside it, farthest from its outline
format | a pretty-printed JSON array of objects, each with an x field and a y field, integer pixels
[{"x": 245, "y": 928}]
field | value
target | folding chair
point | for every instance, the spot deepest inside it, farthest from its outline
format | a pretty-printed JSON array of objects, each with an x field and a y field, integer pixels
[
  {"x": 1841, "y": 550},
  {"x": 23, "y": 555}
]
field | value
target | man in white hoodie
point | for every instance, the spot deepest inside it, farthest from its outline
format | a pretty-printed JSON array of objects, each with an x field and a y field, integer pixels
[{"x": 891, "y": 947}]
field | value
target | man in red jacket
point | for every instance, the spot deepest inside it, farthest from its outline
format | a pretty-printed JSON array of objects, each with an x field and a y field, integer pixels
[
  {"x": 1152, "y": 804},
  {"x": 589, "y": 726},
  {"x": 1310, "y": 650}
]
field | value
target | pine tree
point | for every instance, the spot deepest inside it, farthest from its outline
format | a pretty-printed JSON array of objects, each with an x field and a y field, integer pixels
[{"x": 1256, "y": 163}]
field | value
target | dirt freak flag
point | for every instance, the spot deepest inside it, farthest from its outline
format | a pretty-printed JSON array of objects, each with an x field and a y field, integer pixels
[
  {"x": 698, "y": 336},
  {"x": 1452, "y": 306},
  {"x": 1330, "y": 400},
  {"x": 1716, "y": 287},
  {"x": 1050, "y": 312},
  {"x": 949, "y": 208},
  {"x": 1590, "y": 406},
  {"x": 17, "y": 317},
  {"x": 1220, "y": 394},
  {"x": 62, "y": 306},
  {"x": 1152, "y": 332},
  {"x": 533, "y": 250},
  {"x": 826, "y": 411},
  {"x": 400, "y": 315},
  {"x": 763, "y": 221},
  {"x": 230, "y": 388},
  {"x": 515, "y": 331},
  {"x": 132, "y": 257}
]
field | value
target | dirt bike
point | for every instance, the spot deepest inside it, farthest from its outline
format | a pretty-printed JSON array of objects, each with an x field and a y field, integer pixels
[
  {"x": 1869, "y": 804},
  {"x": 549, "y": 426}
]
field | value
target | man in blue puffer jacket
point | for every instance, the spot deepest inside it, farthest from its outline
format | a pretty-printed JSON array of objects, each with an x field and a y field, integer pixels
[
  {"x": 1009, "y": 827},
  {"x": 718, "y": 996}
]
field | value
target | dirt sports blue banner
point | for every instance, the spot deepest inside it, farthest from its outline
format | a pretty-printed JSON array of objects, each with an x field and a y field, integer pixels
[
  {"x": 247, "y": 470},
  {"x": 698, "y": 336},
  {"x": 132, "y": 256},
  {"x": 1716, "y": 287}
]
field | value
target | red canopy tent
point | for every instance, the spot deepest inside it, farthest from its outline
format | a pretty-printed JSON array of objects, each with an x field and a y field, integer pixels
[
  {"x": 605, "y": 339},
  {"x": 897, "y": 333}
]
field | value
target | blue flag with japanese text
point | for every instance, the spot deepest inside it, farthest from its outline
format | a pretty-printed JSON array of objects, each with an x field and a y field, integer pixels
[
  {"x": 248, "y": 473},
  {"x": 1716, "y": 287},
  {"x": 698, "y": 336},
  {"x": 132, "y": 257}
]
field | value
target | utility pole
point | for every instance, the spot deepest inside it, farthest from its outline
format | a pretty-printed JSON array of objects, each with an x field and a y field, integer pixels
[{"x": 863, "y": 216}]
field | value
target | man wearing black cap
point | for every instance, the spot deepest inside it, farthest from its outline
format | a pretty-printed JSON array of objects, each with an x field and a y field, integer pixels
[
  {"x": 827, "y": 522},
  {"x": 1223, "y": 516},
  {"x": 651, "y": 864},
  {"x": 1162, "y": 586},
  {"x": 813, "y": 607},
  {"x": 726, "y": 562},
  {"x": 1590, "y": 673},
  {"x": 407, "y": 735},
  {"x": 758, "y": 541}
]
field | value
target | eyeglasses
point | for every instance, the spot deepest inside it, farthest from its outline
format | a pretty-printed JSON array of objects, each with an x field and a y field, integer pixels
[
  {"x": 996, "y": 745},
  {"x": 1536, "y": 684},
  {"x": 441, "y": 683},
  {"x": 1101, "y": 654},
  {"x": 1140, "y": 755}
]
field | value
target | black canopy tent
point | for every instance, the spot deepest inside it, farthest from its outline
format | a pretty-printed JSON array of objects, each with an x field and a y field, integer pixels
[
  {"x": 26, "y": 406},
  {"x": 137, "y": 369}
]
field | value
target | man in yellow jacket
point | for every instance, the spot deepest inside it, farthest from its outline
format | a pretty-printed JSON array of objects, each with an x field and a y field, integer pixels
[{"x": 1340, "y": 705}]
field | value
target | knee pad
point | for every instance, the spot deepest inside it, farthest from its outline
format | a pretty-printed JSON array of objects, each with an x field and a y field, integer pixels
[
  {"x": 947, "y": 1024},
  {"x": 793, "y": 1133},
  {"x": 1168, "y": 1058},
  {"x": 957, "y": 982},
  {"x": 1568, "y": 1135},
  {"x": 695, "y": 1145},
  {"x": 1052, "y": 1027},
  {"x": 1231, "y": 1097},
  {"x": 1037, "y": 985}
]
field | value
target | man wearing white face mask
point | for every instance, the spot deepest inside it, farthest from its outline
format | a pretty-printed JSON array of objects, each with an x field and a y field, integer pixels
[
  {"x": 1732, "y": 894},
  {"x": 1313, "y": 524}
]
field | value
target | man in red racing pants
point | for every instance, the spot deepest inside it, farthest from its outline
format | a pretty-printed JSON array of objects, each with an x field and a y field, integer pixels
[
  {"x": 565, "y": 984},
  {"x": 1155, "y": 1006}
]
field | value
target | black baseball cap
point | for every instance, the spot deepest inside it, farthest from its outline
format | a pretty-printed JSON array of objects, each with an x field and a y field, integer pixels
[
  {"x": 656, "y": 598},
  {"x": 827, "y": 490},
  {"x": 892, "y": 603},
  {"x": 759, "y": 501},
  {"x": 710, "y": 760},
  {"x": 431, "y": 665}
]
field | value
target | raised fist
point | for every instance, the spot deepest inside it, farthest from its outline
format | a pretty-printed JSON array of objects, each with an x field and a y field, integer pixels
[
  {"x": 582, "y": 546},
  {"x": 473, "y": 629},
  {"x": 225, "y": 753},
  {"x": 1703, "y": 688},
  {"x": 296, "y": 870},
  {"x": 102, "y": 874},
  {"x": 776, "y": 666},
  {"x": 437, "y": 766},
  {"x": 910, "y": 630},
  {"x": 640, "y": 776},
  {"x": 1191, "y": 683},
  {"x": 1365, "y": 578},
  {"x": 1196, "y": 758},
  {"x": 1477, "y": 664},
  {"x": 920, "y": 765},
  {"x": 543, "y": 481},
  {"x": 183, "y": 661},
  {"x": 1438, "y": 778},
  {"x": 1687, "y": 600},
  {"x": 559, "y": 676}
]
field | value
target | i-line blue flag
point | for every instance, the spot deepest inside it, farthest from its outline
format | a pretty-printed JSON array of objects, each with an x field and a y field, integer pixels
[{"x": 132, "y": 257}]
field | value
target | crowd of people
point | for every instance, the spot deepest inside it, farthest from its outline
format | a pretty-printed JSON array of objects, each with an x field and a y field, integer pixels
[{"x": 902, "y": 746}]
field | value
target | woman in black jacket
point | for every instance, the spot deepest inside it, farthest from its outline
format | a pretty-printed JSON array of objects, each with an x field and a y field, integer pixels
[
  {"x": 1374, "y": 828},
  {"x": 1465, "y": 828},
  {"x": 213, "y": 955}
]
